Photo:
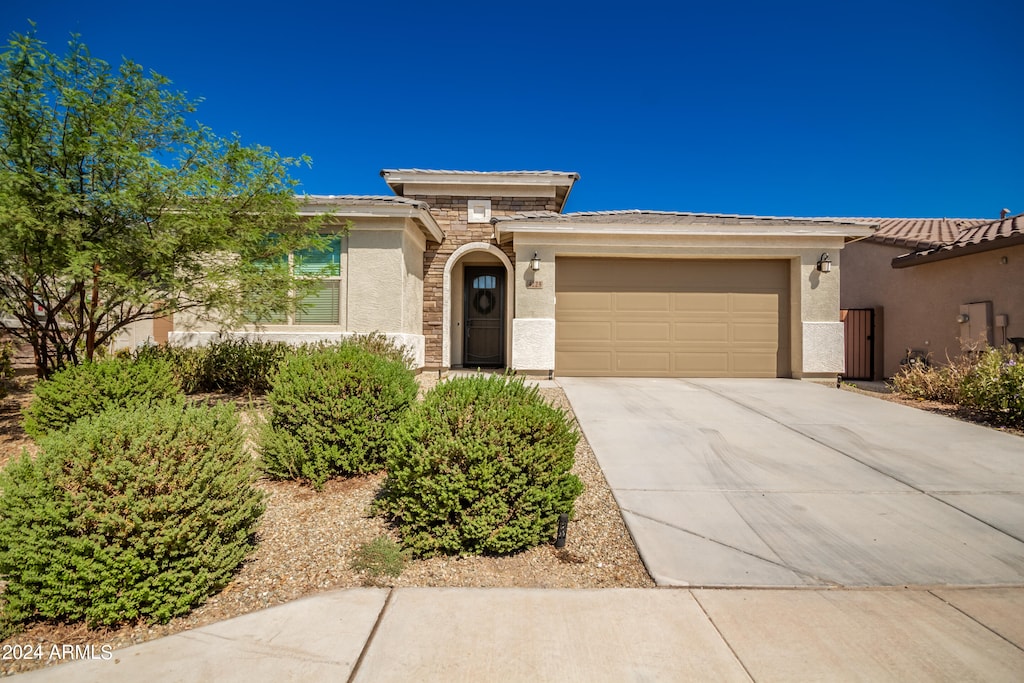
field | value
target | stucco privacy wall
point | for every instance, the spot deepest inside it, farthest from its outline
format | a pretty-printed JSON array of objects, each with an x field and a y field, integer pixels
[
  {"x": 816, "y": 336},
  {"x": 921, "y": 303}
]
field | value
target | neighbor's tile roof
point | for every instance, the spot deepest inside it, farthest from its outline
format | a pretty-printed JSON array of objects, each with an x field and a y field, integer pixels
[
  {"x": 995, "y": 234},
  {"x": 640, "y": 216},
  {"x": 917, "y": 233}
]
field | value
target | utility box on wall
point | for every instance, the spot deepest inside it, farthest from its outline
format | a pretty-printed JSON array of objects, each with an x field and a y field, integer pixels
[{"x": 975, "y": 325}]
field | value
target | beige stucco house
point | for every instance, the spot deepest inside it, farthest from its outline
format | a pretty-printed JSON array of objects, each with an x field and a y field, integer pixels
[
  {"x": 932, "y": 288},
  {"x": 483, "y": 269}
]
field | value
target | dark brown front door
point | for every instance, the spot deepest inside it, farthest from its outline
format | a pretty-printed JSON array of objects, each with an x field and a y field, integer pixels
[{"x": 484, "y": 307}]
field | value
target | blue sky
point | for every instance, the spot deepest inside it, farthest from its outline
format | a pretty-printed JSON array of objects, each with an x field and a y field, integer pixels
[{"x": 787, "y": 108}]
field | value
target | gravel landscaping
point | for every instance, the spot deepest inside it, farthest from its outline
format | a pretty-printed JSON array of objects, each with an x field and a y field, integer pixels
[{"x": 307, "y": 540}]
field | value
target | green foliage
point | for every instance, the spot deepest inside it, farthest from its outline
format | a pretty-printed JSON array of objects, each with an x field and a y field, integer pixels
[
  {"x": 991, "y": 381},
  {"x": 229, "y": 364},
  {"x": 85, "y": 390},
  {"x": 380, "y": 345},
  {"x": 996, "y": 385},
  {"x": 482, "y": 465},
  {"x": 333, "y": 412},
  {"x": 132, "y": 514},
  {"x": 6, "y": 366},
  {"x": 116, "y": 207},
  {"x": 380, "y": 557}
]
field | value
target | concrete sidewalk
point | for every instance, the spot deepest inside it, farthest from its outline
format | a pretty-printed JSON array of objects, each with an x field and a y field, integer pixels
[{"x": 665, "y": 634}]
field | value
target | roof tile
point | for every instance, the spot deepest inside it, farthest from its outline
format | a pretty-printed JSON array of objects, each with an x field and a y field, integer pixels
[{"x": 917, "y": 233}]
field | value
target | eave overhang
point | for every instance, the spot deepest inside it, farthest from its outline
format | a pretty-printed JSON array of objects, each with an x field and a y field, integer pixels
[
  {"x": 682, "y": 225},
  {"x": 918, "y": 258},
  {"x": 355, "y": 207},
  {"x": 556, "y": 184}
]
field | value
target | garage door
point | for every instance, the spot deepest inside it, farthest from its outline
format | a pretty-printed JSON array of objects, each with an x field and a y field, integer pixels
[{"x": 671, "y": 318}]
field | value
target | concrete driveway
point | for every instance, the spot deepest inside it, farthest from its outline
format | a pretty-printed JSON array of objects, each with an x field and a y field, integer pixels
[{"x": 788, "y": 483}]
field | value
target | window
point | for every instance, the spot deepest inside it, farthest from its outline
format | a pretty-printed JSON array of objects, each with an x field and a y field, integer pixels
[
  {"x": 321, "y": 307},
  {"x": 485, "y": 282}
]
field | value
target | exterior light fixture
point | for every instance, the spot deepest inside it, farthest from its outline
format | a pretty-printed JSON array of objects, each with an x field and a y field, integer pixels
[
  {"x": 824, "y": 263},
  {"x": 535, "y": 262}
]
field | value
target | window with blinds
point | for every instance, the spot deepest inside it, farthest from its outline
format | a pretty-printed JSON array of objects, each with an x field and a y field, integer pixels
[{"x": 322, "y": 306}]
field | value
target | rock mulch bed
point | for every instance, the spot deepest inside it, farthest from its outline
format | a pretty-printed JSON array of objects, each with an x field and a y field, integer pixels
[{"x": 307, "y": 540}]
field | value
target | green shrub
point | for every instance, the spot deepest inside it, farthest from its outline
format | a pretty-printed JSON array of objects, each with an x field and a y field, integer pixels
[
  {"x": 377, "y": 344},
  {"x": 231, "y": 364},
  {"x": 83, "y": 390},
  {"x": 6, "y": 366},
  {"x": 482, "y": 465},
  {"x": 995, "y": 384},
  {"x": 333, "y": 412},
  {"x": 130, "y": 514},
  {"x": 991, "y": 381}
]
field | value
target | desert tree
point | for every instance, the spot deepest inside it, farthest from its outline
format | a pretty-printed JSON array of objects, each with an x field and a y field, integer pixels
[{"x": 117, "y": 206}]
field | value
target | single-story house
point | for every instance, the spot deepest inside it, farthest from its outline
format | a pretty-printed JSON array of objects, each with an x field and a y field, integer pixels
[
  {"x": 484, "y": 269},
  {"x": 930, "y": 289}
]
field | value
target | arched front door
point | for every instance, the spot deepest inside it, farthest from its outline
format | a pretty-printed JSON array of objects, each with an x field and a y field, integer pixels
[{"x": 484, "y": 317}]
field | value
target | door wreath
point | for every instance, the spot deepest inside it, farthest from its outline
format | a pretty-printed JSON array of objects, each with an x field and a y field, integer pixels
[{"x": 484, "y": 301}]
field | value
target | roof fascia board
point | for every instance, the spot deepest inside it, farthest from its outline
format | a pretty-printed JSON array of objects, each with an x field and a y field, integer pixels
[
  {"x": 479, "y": 189},
  {"x": 552, "y": 180},
  {"x": 612, "y": 229},
  {"x": 910, "y": 260},
  {"x": 351, "y": 211}
]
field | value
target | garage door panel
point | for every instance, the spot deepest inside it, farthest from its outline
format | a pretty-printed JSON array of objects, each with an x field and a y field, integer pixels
[
  {"x": 753, "y": 364},
  {"x": 671, "y": 317},
  {"x": 700, "y": 301},
  {"x": 584, "y": 302},
  {"x": 585, "y": 331},
  {"x": 584, "y": 363},
  {"x": 702, "y": 331},
  {"x": 651, "y": 361},
  {"x": 642, "y": 332},
  {"x": 754, "y": 303},
  {"x": 707, "y": 363},
  {"x": 642, "y": 302},
  {"x": 766, "y": 333}
]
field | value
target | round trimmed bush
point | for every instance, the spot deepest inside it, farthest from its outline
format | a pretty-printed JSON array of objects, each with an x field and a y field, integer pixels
[
  {"x": 84, "y": 390},
  {"x": 333, "y": 412},
  {"x": 130, "y": 514},
  {"x": 482, "y": 465}
]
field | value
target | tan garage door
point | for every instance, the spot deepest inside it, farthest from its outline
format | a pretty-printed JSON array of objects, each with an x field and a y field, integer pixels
[{"x": 671, "y": 318}]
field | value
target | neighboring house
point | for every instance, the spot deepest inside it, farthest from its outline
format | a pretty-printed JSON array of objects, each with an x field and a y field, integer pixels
[
  {"x": 481, "y": 269},
  {"x": 933, "y": 288}
]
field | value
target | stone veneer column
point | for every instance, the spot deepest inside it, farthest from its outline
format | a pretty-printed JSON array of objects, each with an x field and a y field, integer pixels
[{"x": 452, "y": 214}]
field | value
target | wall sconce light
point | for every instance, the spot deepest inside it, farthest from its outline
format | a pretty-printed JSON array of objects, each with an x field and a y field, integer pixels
[
  {"x": 963, "y": 318},
  {"x": 535, "y": 262},
  {"x": 824, "y": 263}
]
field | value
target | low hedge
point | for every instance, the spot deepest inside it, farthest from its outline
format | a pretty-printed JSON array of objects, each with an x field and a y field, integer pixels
[
  {"x": 85, "y": 390},
  {"x": 990, "y": 381},
  {"x": 230, "y": 364},
  {"x": 482, "y": 465},
  {"x": 333, "y": 412},
  {"x": 131, "y": 514}
]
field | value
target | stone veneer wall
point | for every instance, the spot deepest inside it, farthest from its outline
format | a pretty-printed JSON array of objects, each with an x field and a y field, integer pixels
[{"x": 452, "y": 214}]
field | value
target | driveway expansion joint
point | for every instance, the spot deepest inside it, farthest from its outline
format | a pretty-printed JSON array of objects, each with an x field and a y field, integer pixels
[{"x": 369, "y": 639}]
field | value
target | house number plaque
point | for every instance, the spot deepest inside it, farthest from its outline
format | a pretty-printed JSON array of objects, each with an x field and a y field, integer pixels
[{"x": 535, "y": 284}]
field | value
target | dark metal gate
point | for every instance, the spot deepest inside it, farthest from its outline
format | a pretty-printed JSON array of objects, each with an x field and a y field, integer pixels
[{"x": 859, "y": 329}]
